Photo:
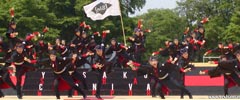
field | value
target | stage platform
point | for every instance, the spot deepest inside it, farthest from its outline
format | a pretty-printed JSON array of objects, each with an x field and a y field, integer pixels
[{"x": 195, "y": 97}]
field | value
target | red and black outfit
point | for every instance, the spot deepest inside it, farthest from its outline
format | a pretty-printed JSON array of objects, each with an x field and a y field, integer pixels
[
  {"x": 122, "y": 56},
  {"x": 79, "y": 61},
  {"x": 60, "y": 70},
  {"x": 137, "y": 47},
  {"x": 22, "y": 66},
  {"x": 99, "y": 71},
  {"x": 182, "y": 64},
  {"x": 76, "y": 41},
  {"x": 12, "y": 39},
  {"x": 41, "y": 49},
  {"x": 229, "y": 69},
  {"x": 175, "y": 50},
  {"x": 30, "y": 46},
  {"x": 163, "y": 77}
]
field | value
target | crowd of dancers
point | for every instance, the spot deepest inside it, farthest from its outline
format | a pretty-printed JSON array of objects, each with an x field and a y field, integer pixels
[{"x": 64, "y": 58}]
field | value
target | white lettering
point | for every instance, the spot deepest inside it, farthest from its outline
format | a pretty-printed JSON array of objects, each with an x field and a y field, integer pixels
[
  {"x": 130, "y": 86},
  {"x": 40, "y": 87},
  {"x": 148, "y": 87},
  {"x": 125, "y": 75},
  {"x": 94, "y": 86},
  {"x": 112, "y": 86},
  {"x": 145, "y": 76},
  {"x": 104, "y": 75},
  {"x": 43, "y": 74},
  {"x": 84, "y": 74}
]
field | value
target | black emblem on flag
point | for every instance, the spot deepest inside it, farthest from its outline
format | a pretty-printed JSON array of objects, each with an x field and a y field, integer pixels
[{"x": 101, "y": 8}]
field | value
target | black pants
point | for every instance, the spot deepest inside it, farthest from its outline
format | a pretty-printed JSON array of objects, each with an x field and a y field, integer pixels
[
  {"x": 226, "y": 82},
  {"x": 169, "y": 80},
  {"x": 20, "y": 71},
  {"x": 65, "y": 76},
  {"x": 153, "y": 84},
  {"x": 78, "y": 76},
  {"x": 182, "y": 81},
  {"x": 99, "y": 82},
  {"x": 235, "y": 78}
]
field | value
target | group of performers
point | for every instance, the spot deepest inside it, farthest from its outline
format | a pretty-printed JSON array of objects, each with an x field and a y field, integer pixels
[{"x": 23, "y": 55}]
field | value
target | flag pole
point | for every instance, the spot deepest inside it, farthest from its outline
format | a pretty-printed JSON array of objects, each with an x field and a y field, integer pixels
[{"x": 123, "y": 32}]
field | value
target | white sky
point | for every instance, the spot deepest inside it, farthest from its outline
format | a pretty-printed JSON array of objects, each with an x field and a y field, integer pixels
[{"x": 151, "y": 4}]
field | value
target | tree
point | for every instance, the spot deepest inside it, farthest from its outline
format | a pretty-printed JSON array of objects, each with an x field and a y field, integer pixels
[
  {"x": 218, "y": 11},
  {"x": 165, "y": 25},
  {"x": 233, "y": 29}
]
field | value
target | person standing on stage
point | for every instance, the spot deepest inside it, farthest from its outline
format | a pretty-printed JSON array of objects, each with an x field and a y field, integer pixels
[
  {"x": 20, "y": 64},
  {"x": 183, "y": 66}
]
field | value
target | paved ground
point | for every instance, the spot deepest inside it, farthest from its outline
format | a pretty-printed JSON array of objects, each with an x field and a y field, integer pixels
[{"x": 196, "y": 97}]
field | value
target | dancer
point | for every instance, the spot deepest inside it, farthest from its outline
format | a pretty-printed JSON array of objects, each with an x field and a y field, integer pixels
[
  {"x": 229, "y": 69},
  {"x": 59, "y": 66},
  {"x": 163, "y": 76}
]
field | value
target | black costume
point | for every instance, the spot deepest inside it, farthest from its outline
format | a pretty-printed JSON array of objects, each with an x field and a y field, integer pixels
[
  {"x": 75, "y": 74},
  {"x": 137, "y": 47},
  {"x": 60, "y": 69},
  {"x": 164, "y": 77},
  {"x": 22, "y": 66},
  {"x": 183, "y": 64},
  {"x": 229, "y": 69}
]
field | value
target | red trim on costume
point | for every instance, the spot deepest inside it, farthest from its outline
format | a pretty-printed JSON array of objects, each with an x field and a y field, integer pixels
[
  {"x": 232, "y": 83},
  {"x": 12, "y": 35},
  {"x": 45, "y": 30},
  {"x": 156, "y": 53},
  {"x": 165, "y": 90},
  {"x": 104, "y": 34},
  {"x": 88, "y": 27},
  {"x": 29, "y": 37},
  {"x": 199, "y": 42},
  {"x": 82, "y": 24},
  {"x": 33, "y": 61},
  {"x": 95, "y": 33},
  {"x": 63, "y": 85},
  {"x": 36, "y": 33},
  {"x": 122, "y": 46},
  {"x": 94, "y": 66},
  {"x": 215, "y": 62},
  {"x": 206, "y": 71},
  {"x": 230, "y": 47},
  {"x": 195, "y": 30},
  {"x": 136, "y": 64},
  {"x": 169, "y": 61},
  {"x": 181, "y": 70},
  {"x": 140, "y": 23},
  {"x": 84, "y": 55},
  {"x": 12, "y": 12},
  {"x": 204, "y": 20},
  {"x": 191, "y": 41},
  {"x": 209, "y": 51}
]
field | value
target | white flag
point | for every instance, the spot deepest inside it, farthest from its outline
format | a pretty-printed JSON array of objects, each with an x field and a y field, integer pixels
[{"x": 101, "y": 9}]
